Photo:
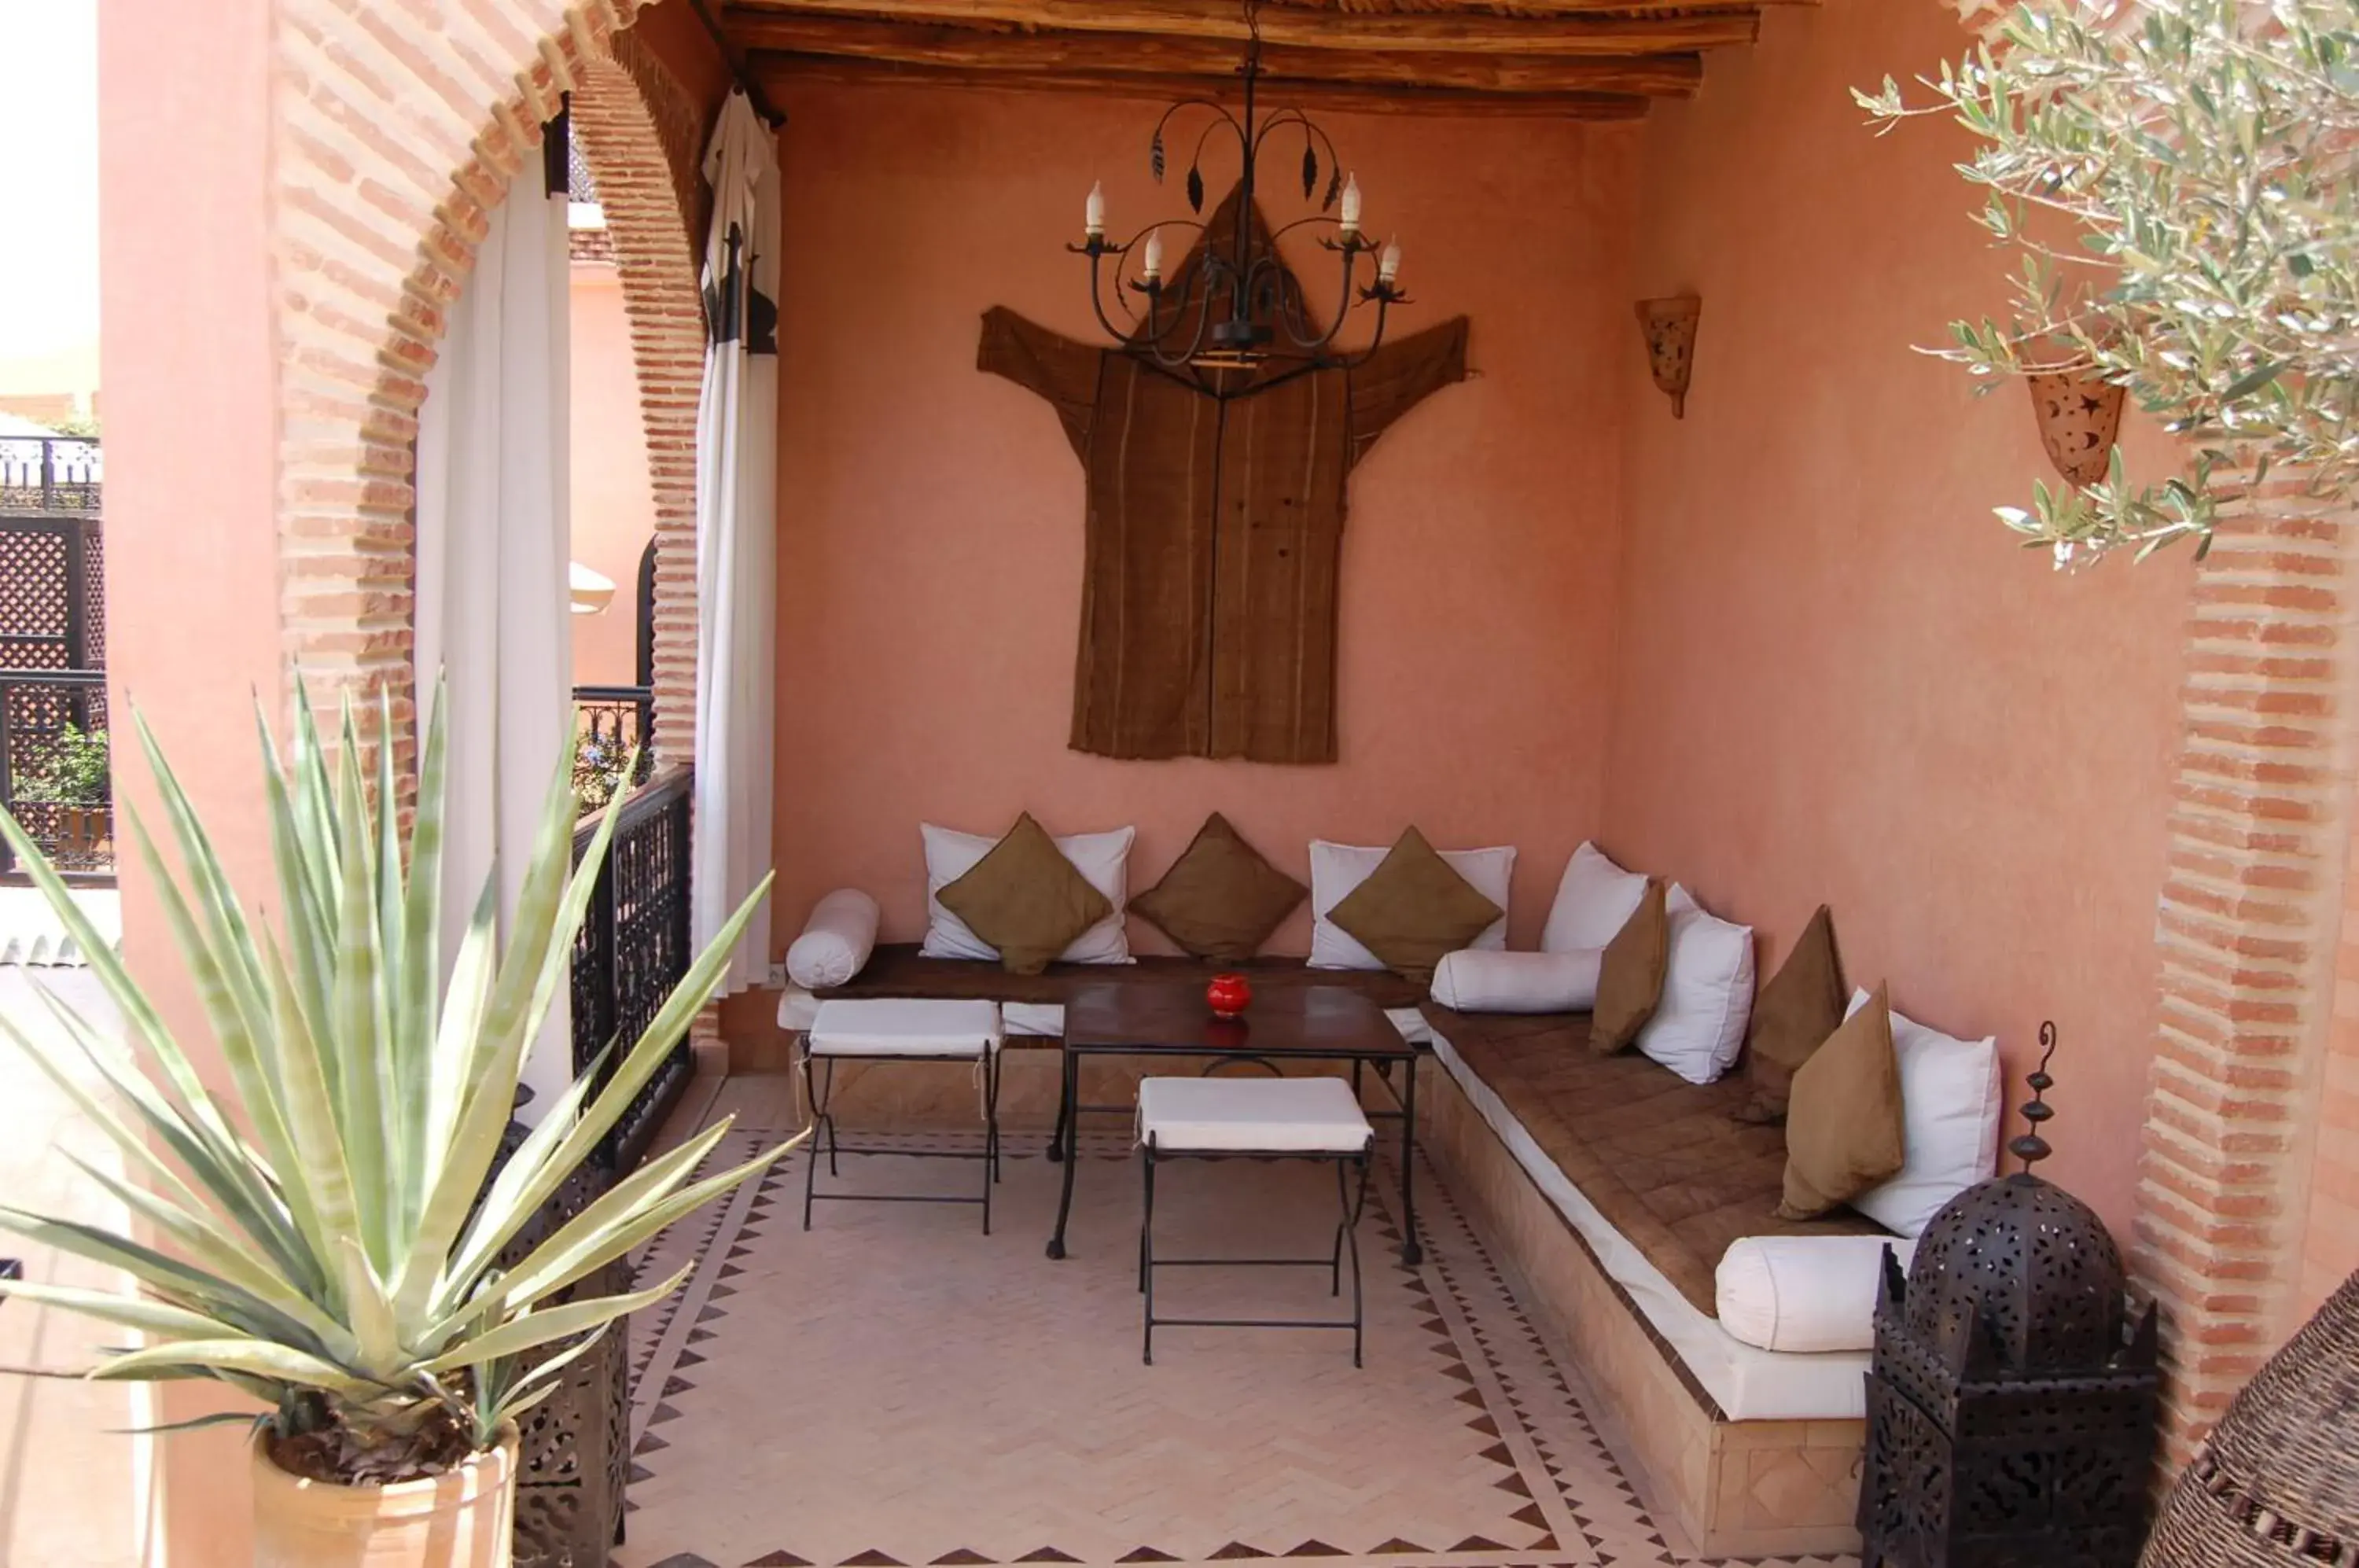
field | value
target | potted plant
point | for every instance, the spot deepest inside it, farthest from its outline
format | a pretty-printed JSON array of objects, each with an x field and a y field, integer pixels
[
  {"x": 2177, "y": 177},
  {"x": 73, "y": 775},
  {"x": 326, "y": 1238}
]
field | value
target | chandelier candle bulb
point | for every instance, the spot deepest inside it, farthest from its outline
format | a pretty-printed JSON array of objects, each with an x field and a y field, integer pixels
[
  {"x": 1152, "y": 262},
  {"x": 1348, "y": 211},
  {"x": 1093, "y": 211},
  {"x": 1389, "y": 263}
]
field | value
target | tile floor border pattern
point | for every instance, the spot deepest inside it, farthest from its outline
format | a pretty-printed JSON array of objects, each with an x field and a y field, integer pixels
[{"x": 1585, "y": 1511}]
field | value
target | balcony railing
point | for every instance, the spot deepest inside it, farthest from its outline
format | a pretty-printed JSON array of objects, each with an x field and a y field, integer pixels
[
  {"x": 49, "y": 474},
  {"x": 608, "y": 721},
  {"x": 634, "y": 948},
  {"x": 54, "y": 774}
]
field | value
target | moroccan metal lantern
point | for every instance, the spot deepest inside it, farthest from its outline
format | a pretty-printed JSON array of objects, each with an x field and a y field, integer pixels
[{"x": 2012, "y": 1400}]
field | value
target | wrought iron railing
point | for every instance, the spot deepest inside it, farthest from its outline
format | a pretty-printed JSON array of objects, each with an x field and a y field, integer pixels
[
  {"x": 54, "y": 777},
  {"x": 49, "y": 474},
  {"x": 634, "y": 948},
  {"x": 608, "y": 722}
]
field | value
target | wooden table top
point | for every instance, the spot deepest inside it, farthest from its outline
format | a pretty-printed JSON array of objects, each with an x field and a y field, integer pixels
[{"x": 1300, "y": 1020}]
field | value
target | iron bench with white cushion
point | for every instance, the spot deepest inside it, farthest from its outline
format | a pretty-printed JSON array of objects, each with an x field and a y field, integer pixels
[
  {"x": 1289, "y": 1118},
  {"x": 892, "y": 1030}
]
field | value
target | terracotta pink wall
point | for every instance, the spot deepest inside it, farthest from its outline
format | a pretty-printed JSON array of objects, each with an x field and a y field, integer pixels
[
  {"x": 189, "y": 357},
  {"x": 614, "y": 506},
  {"x": 1838, "y": 678},
  {"x": 931, "y": 516}
]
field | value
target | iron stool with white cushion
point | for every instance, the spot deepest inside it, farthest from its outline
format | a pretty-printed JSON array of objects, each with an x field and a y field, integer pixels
[
  {"x": 898, "y": 1030},
  {"x": 1264, "y": 1118}
]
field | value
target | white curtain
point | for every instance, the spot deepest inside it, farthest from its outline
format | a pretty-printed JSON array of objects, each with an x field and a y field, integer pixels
[
  {"x": 492, "y": 556},
  {"x": 736, "y": 520}
]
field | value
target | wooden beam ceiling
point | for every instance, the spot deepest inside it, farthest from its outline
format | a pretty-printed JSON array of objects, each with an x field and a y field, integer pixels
[
  {"x": 1578, "y": 59},
  {"x": 776, "y": 70},
  {"x": 1211, "y": 61},
  {"x": 1631, "y": 27}
]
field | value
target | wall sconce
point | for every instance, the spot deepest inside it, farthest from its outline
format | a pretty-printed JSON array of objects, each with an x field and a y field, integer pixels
[
  {"x": 1669, "y": 326},
  {"x": 2079, "y": 418}
]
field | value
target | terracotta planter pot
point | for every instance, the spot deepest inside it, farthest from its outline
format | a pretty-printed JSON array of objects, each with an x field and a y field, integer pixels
[{"x": 464, "y": 1519}]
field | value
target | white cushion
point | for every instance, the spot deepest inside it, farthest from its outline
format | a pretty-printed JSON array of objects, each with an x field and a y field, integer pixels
[
  {"x": 1034, "y": 1020},
  {"x": 835, "y": 942},
  {"x": 1252, "y": 1116},
  {"x": 1699, "y": 1023},
  {"x": 1593, "y": 901},
  {"x": 1949, "y": 1105},
  {"x": 1337, "y": 868},
  {"x": 1804, "y": 1293},
  {"x": 1102, "y": 858},
  {"x": 1478, "y": 982},
  {"x": 1412, "y": 1024},
  {"x": 798, "y": 1009},
  {"x": 899, "y": 1028}
]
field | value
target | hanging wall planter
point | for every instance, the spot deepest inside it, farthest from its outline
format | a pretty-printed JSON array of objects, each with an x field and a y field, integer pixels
[
  {"x": 2079, "y": 418},
  {"x": 1669, "y": 326}
]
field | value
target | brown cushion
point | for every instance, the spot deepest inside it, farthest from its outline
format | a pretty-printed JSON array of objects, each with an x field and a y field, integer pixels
[
  {"x": 1221, "y": 900},
  {"x": 1026, "y": 898},
  {"x": 1414, "y": 910},
  {"x": 1796, "y": 1010},
  {"x": 1844, "y": 1128},
  {"x": 1630, "y": 974}
]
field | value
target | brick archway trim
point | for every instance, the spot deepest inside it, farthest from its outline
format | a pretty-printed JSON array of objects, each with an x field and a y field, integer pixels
[
  {"x": 388, "y": 157},
  {"x": 636, "y": 126}
]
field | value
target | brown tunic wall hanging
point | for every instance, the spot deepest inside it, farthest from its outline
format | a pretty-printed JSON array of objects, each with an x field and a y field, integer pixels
[{"x": 1214, "y": 532}]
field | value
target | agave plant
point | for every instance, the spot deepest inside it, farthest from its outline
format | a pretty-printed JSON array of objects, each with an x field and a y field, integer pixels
[{"x": 329, "y": 1240}]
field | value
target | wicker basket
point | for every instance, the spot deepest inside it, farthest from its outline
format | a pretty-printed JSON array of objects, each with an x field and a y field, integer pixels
[{"x": 2276, "y": 1484}]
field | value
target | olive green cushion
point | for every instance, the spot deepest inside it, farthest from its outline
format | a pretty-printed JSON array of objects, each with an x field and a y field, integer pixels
[
  {"x": 1221, "y": 900},
  {"x": 1796, "y": 1010},
  {"x": 1414, "y": 910},
  {"x": 1630, "y": 974},
  {"x": 1026, "y": 898},
  {"x": 1844, "y": 1128}
]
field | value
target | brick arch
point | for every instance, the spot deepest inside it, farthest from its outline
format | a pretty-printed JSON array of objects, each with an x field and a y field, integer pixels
[
  {"x": 388, "y": 158},
  {"x": 643, "y": 137}
]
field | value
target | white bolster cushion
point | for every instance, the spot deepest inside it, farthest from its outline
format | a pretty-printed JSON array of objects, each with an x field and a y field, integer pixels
[
  {"x": 836, "y": 940},
  {"x": 1804, "y": 1293},
  {"x": 1478, "y": 981}
]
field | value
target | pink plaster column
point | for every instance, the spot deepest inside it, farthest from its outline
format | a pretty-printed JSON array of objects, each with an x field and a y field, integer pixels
[{"x": 191, "y": 373}]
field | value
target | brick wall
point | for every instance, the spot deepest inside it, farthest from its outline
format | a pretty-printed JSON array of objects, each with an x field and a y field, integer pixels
[
  {"x": 2330, "y": 1246},
  {"x": 2248, "y": 928}
]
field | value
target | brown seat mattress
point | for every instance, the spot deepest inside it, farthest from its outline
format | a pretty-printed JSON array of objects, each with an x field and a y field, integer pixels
[{"x": 1657, "y": 1155}]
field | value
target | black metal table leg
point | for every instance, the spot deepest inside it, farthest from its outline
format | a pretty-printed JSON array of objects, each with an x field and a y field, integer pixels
[
  {"x": 1068, "y": 1122},
  {"x": 1064, "y": 1113},
  {"x": 1411, "y": 1252}
]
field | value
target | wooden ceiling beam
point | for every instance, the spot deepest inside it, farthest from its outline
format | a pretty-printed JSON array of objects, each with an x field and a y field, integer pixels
[
  {"x": 1212, "y": 62},
  {"x": 778, "y": 71},
  {"x": 1630, "y": 27}
]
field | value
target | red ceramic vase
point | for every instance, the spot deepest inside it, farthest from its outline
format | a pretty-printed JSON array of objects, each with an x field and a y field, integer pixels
[{"x": 1229, "y": 994}]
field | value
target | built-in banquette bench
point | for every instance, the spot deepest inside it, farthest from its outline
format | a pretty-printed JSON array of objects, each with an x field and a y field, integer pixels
[{"x": 1614, "y": 1188}]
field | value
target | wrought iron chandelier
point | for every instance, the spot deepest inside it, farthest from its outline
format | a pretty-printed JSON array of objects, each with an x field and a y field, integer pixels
[{"x": 1241, "y": 309}]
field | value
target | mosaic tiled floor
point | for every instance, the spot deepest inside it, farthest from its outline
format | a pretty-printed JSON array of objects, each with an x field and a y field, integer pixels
[{"x": 895, "y": 1389}]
